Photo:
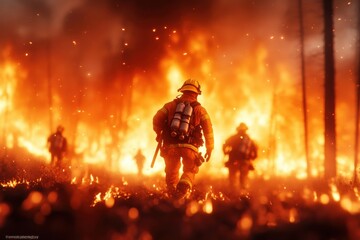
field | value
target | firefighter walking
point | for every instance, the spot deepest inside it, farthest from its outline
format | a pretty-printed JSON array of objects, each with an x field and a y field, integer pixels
[
  {"x": 57, "y": 146},
  {"x": 241, "y": 151},
  {"x": 181, "y": 125},
  {"x": 140, "y": 160}
]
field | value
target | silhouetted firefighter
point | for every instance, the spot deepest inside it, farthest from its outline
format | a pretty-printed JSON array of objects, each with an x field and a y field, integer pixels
[
  {"x": 57, "y": 146},
  {"x": 180, "y": 125},
  {"x": 140, "y": 160},
  {"x": 242, "y": 150}
]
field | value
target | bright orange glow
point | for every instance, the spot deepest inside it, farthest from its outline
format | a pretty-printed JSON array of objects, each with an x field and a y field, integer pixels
[
  {"x": 133, "y": 213},
  {"x": 97, "y": 199},
  {"x": 208, "y": 207},
  {"x": 109, "y": 202},
  {"x": 108, "y": 198},
  {"x": 52, "y": 197},
  {"x": 260, "y": 91},
  {"x": 13, "y": 183},
  {"x": 324, "y": 198},
  {"x": 293, "y": 214},
  {"x": 245, "y": 223},
  {"x": 335, "y": 192},
  {"x": 34, "y": 199},
  {"x": 192, "y": 208}
]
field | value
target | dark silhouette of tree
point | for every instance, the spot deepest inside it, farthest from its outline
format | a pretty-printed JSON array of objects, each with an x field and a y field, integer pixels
[
  {"x": 356, "y": 160},
  {"x": 330, "y": 132},
  {"x": 303, "y": 87}
]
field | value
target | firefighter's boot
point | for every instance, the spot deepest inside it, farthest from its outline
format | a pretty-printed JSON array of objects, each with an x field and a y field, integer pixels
[
  {"x": 171, "y": 191},
  {"x": 182, "y": 190}
]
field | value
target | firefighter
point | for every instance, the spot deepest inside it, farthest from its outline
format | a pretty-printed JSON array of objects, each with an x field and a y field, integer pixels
[
  {"x": 241, "y": 151},
  {"x": 181, "y": 125},
  {"x": 139, "y": 159},
  {"x": 57, "y": 146}
]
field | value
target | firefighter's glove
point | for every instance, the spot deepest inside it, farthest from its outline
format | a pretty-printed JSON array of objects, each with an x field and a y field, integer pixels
[
  {"x": 208, "y": 155},
  {"x": 199, "y": 160},
  {"x": 158, "y": 138},
  {"x": 251, "y": 167}
]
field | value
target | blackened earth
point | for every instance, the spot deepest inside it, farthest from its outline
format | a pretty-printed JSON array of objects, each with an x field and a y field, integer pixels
[{"x": 47, "y": 204}]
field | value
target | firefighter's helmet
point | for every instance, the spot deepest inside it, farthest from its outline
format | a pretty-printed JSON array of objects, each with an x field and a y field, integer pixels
[
  {"x": 190, "y": 85},
  {"x": 60, "y": 128},
  {"x": 242, "y": 127}
]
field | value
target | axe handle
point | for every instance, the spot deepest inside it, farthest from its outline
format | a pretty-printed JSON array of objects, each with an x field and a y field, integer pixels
[{"x": 155, "y": 154}]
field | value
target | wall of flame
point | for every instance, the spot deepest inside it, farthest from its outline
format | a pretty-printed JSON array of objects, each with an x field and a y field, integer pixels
[{"x": 103, "y": 69}]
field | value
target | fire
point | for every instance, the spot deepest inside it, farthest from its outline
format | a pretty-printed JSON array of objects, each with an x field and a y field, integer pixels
[
  {"x": 8, "y": 75},
  {"x": 350, "y": 205},
  {"x": 257, "y": 109},
  {"x": 85, "y": 180},
  {"x": 8, "y": 85},
  {"x": 246, "y": 84},
  {"x": 14, "y": 183},
  {"x": 335, "y": 192},
  {"x": 16, "y": 131},
  {"x": 109, "y": 197}
]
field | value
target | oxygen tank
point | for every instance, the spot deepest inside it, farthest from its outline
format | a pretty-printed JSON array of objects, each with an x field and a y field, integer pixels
[
  {"x": 185, "y": 121},
  {"x": 175, "y": 122}
]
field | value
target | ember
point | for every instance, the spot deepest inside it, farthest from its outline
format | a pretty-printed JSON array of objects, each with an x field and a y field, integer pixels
[{"x": 103, "y": 69}]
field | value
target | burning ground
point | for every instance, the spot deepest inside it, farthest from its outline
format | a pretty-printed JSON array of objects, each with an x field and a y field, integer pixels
[{"x": 41, "y": 202}]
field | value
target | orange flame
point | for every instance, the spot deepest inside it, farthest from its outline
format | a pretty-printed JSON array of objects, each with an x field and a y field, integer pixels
[{"x": 265, "y": 97}]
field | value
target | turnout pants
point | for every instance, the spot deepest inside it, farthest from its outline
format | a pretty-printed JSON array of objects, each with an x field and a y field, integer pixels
[{"x": 174, "y": 156}]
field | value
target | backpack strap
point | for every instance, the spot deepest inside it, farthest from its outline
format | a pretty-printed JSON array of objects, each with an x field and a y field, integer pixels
[{"x": 194, "y": 104}]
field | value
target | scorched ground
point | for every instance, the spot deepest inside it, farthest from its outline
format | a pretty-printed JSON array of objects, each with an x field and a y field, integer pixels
[{"x": 36, "y": 201}]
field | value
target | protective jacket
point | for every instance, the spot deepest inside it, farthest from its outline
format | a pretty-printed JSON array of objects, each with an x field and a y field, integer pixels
[
  {"x": 240, "y": 147},
  {"x": 241, "y": 150}
]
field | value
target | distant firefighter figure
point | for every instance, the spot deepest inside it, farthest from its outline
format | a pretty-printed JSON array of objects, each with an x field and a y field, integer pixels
[
  {"x": 242, "y": 150},
  {"x": 140, "y": 160},
  {"x": 57, "y": 146}
]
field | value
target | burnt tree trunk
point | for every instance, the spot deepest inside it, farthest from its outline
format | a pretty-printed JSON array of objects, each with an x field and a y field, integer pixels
[
  {"x": 303, "y": 87},
  {"x": 330, "y": 131},
  {"x": 49, "y": 85},
  {"x": 356, "y": 159}
]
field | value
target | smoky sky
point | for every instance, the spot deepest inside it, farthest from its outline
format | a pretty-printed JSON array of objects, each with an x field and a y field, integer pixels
[
  {"x": 90, "y": 21},
  {"x": 103, "y": 44},
  {"x": 112, "y": 23}
]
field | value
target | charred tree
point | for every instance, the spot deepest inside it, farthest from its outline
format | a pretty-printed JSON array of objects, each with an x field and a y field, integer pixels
[
  {"x": 330, "y": 131},
  {"x": 356, "y": 160},
  {"x": 49, "y": 84},
  {"x": 303, "y": 87}
]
